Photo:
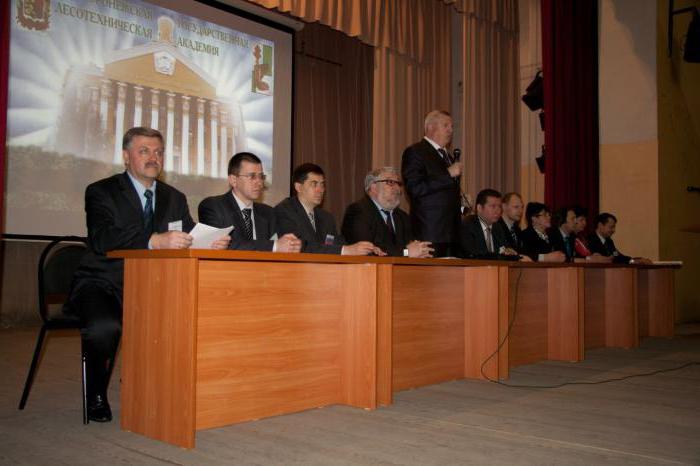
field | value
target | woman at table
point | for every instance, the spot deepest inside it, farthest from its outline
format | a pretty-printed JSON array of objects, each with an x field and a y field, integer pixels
[{"x": 536, "y": 244}]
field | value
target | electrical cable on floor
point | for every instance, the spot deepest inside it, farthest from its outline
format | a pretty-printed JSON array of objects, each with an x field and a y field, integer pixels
[{"x": 599, "y": 382}]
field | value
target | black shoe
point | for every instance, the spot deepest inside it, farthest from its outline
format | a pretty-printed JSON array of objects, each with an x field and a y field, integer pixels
[{"x": 98, "y": 409}]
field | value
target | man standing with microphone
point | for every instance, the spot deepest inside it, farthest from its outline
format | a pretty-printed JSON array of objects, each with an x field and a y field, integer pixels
[{"x": 432, "y": 176}]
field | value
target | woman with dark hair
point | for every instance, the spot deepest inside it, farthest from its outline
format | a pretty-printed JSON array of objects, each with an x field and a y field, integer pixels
[{"x": 536, "y": 243}]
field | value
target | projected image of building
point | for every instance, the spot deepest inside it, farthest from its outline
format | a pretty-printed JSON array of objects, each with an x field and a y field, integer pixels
[{"x": 151, "y": 85}]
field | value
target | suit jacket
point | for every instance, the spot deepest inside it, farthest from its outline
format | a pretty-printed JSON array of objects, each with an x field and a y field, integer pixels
[
  {"x": 292, "y": 218},
  {"x": 364, "y": 222},
  {"x": 533, "y": 245},
  {"x": 556, "y": 239},
  {"x": 473, "y": 242},
  {"x": 608, "y": 249},
  {"x": 115, "y": 221},
  {"x": 223, "y": 211},
  {"x": 434, "y": 195},
  {"x": 515, "y": 244}
]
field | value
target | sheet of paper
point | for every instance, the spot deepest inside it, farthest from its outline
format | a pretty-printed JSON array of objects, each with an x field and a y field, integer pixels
[{"x": 203, "y": 235}]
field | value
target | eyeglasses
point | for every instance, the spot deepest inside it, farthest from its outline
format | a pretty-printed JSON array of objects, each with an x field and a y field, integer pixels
[
  {"x": 254, "y": 176},
  {"x": 390, "y": 182}
]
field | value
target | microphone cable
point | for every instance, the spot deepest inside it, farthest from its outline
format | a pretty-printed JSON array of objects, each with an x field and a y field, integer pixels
[{"x": 564, "y": 384}]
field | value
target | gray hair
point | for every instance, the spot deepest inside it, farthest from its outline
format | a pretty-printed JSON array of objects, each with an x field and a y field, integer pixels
[
  {"x": 433, "y": 116},
  {"x": 374, "y": 175}
]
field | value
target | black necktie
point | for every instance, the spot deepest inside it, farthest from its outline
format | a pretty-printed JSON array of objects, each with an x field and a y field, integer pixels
[
  {"x": 247, "y": 222},
  {"x": 148, "y": 212},
  {"x": 389, "y": 223},
  {"x": 443, "y": 154},
  {"x": 514, "y": 235}
]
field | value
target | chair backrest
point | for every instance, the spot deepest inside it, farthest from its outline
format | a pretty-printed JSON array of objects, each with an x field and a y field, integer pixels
[{"x": 57, "y": 263}]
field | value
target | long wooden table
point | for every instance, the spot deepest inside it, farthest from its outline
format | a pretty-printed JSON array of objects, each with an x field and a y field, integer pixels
[{"x": 212, "y": 338}]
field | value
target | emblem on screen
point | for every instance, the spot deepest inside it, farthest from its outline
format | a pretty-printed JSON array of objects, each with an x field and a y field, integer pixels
[
  {"x": 262, "y": 69},
  {"x": 34, "y": 14},
  {"x": 164, "y": 63}
]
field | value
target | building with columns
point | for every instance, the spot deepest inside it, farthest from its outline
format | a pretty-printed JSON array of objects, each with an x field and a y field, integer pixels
[{"x": 151, "y": 85}]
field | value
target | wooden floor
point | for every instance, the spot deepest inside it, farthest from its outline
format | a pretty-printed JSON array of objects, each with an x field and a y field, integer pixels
[{"x": 644, "y": 420}]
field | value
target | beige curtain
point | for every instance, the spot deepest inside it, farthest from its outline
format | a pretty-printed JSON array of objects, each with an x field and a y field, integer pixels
[
  {"x": 490, "y": 106},
  {"x": 333, "y": 111},
  {"x": 412, "y": 75},
  {"x": 412, "y": 40},
  {"x": 406, "y": 87}
]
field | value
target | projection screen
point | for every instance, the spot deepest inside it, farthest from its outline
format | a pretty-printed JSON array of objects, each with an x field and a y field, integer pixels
[{"x": 82, "y": 72}]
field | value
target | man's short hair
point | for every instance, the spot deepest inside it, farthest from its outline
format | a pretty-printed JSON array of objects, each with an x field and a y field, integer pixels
[
  {"x": 484, "y": 195},
  {"x": 579, "y": 211},
  {"x": 140, "y": 131},
  {"x": 561, "y": 214},
  {"x": 301, "y": 173},
  {"x": 234, "y": 165},
  {"x": 376, "y": 174},
  {"x": 533, "y": 209},
  {"x": 604, "y": 218},
  {"x": 431, "y": 117},
  {"x": 508, "y": 196}
]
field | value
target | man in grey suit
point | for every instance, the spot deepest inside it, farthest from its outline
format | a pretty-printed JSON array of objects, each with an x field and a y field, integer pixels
[
  {"x": 131, "y": 210},
  {"x": 253, "y": 223},
  {"x": 303, "y": 216}
]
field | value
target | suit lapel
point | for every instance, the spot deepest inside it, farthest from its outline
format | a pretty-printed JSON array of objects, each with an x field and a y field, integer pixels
[
  {"x": 129, "y": 191},
  {"x": 234, "y": 213},
  {"x": 262, "y": 229},
  {"x": 305, "y": 221},
  {"x": 162, "y": 205}
]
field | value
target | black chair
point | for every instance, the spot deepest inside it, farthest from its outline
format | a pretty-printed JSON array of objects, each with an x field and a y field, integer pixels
[{"x": 57, "y": 263}]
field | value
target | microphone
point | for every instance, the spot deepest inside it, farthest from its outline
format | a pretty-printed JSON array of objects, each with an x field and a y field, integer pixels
[{"x": 456, "y": 154}]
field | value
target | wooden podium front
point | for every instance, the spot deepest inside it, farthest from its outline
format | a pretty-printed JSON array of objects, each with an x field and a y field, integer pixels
[{"x": 211, "y": 338}]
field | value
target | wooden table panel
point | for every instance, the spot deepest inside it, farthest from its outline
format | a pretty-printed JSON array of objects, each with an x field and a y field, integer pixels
[
  {"x": 528, "y": 314},
  {"x": 159, "y": 325},
  {"x": 428, "y": 326},
  {"x": 656, "y": 302},
  {"x": 486, "y": 322},
  {"x": 262, "y": 353},
  {"x": 565, "y": 328},
  {"x": 611, "y": 307}
]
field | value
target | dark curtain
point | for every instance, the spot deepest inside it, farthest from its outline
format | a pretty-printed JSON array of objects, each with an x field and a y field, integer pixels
[
  {"x": 333, "y": 111},
  {"x": 570, "y": 68},
  {"x": 4, "y": 73}
]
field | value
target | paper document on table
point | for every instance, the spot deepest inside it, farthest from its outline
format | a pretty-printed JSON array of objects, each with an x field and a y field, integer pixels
[
  {"x": 203, "y": 235},
  {"x": 667, "y": 263}
]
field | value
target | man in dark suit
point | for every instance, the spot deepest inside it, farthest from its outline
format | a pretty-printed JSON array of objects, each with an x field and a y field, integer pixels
[
  {"x": 131, "y": 210},
  {"x": 378, "y": 219},
  {"x": 253, "y": 223},
  {"x": 536, "y": 243},
  {"x": 601, "y": 241},
  {"x": 303, "y": 216},
  {"x": 432, "y": 184},
  {"x": 562, "y": 236},
  {"x": 510, "y": 220},
  {"x": 480, "y": 235}
]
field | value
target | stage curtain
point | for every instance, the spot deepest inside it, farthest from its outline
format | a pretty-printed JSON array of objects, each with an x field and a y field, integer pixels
[
  {"x": 395, "y": 24},
  {"x": 407, "y": 88},
  {"x": 4, "y": 73},
  {"x": 570, "y": 68},
  {"x": 333, "y": 111},
  {"x": 490, "y": 107}
]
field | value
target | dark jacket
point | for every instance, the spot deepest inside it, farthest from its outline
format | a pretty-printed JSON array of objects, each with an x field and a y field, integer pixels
[
  {"x": 292, "y": 218},
  {"x": 363, "y": 222}
]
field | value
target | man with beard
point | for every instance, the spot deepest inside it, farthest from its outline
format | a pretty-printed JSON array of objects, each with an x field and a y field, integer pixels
[{"x": 378, "y": 219}]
